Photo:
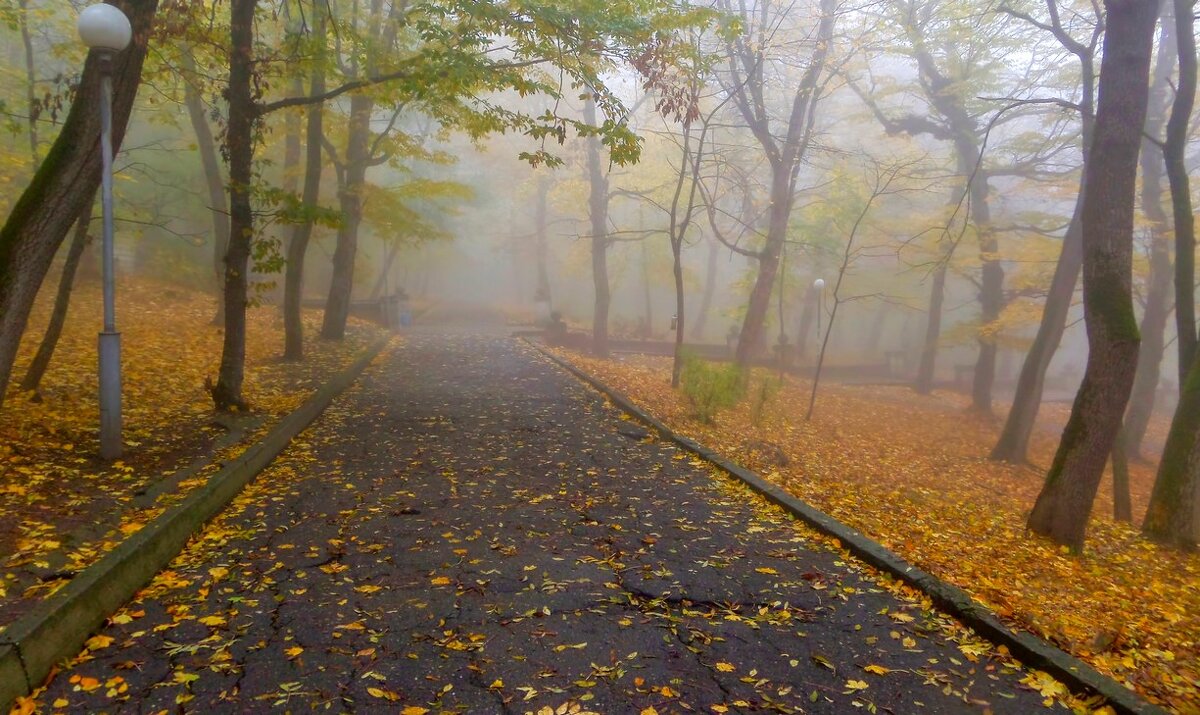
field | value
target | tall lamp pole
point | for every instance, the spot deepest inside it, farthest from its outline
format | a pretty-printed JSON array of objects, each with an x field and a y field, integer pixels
[{"x": 106, "y": 31}]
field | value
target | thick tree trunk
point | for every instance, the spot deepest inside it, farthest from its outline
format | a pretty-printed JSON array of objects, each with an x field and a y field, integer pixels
[
  {"x": 927, "y": 368},
  {"x": 1065, "y": 503},
  {"x": 710, "y": 287},
  {"x": 1171, "y": 516},
  {"x": 239, "y": 142},
  {"x": 598, "y": 213},
  {"x": 350, "y": 200},
  {"x": 293, "y": 285},
  {"x": 64, "y": 182},
  {"x": 62, "y": 302},
  {"x": 213, "y": 180}
]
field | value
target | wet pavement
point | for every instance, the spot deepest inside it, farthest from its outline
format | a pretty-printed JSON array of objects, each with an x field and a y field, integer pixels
[{"x": 470, "y": 529}]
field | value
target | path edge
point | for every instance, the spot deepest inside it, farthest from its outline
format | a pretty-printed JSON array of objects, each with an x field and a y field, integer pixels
[
  {"x": 1032, "y": 651},
  {"x": 57, "y": 627}
]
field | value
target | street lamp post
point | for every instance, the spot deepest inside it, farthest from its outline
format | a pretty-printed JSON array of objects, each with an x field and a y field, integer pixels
[{"x": 106, "y": 30}]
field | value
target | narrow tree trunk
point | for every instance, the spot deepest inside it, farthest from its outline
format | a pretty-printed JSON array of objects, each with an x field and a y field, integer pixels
[
  {"x": 293, "y": 286},
  {"x": 752, "y": 336},
  {"x": 30, "y": 78},
  {"x": 213, "y": 180},
  {"x": 350, "y": 200},
  {"x": 239, "y": 142},
  {"x": 541, "y": 250},
  {"x": 1013, "y": 445},
  {"x": 391, "y": 250},
  {"x": 680, "y": 309},
  {"x": 807, "y": 314},
  {"x": 1065, "y": 503},
  {"x": 871, "y": 348},
  {"x": 647, "y": 298},
  {"x": 1181, "y": 195},
  {"x": 62, "y": 302},
  {"x": 1158, "y": 283},
  {"x": 927, "y": 368},
  {"x": 1122, "y": 501},
  {"x": 598, "y": 212},
  {"x": 991, "y": 304},
  {"x": 64, "y": 182},
  {"x": 710, "y": 286}
]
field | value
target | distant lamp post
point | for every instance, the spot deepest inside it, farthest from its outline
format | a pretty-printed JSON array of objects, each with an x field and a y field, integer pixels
[
  {"x": 106, "y": 31},
  {"x": 819, "y": 289}
]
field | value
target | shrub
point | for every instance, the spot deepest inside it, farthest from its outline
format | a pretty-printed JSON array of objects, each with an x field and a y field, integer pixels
[
  {"x": 710, "y": 387},
  {"x": 761, "y": 397}
]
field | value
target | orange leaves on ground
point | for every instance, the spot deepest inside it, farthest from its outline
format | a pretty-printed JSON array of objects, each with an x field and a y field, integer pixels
[
  {"x": 52, "y": 486},
  {"x": 911, "y": 471}
]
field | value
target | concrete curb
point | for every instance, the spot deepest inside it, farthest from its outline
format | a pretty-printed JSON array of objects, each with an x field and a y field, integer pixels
[
  {"x": 58, "y": 626},
  {"x": 1077, "y": 675}
]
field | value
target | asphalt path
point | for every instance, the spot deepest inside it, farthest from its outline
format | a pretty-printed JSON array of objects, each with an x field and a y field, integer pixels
[{"x": 470, "y": 529}]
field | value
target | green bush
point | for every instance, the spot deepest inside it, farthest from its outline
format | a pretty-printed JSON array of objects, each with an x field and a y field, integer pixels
[{"x": 710, "y": 387}]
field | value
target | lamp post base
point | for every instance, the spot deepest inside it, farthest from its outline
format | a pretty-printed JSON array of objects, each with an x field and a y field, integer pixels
[{"x": 111, "y": 444}]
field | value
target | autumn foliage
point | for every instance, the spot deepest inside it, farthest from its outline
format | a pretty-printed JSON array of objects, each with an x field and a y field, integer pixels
[
  {"x": 911, "y": 472},
  {"x": 60, "y": 507}
]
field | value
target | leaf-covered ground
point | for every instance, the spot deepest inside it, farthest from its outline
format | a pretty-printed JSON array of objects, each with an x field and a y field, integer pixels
[
  {"x": 60, "y": 507},
  {"x": 469, "y": 529},
  {"x": 911, "y": 471}
]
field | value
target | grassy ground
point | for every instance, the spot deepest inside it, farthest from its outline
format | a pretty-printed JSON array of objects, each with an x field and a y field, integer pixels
[
  {"x": 911, "y": 471},
  {"x": 61, "y": 507}
]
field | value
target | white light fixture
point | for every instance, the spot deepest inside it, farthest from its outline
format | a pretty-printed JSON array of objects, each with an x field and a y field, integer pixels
[
  {"x": 104, "y": 27},
  {"x": 819, "y": 284}
]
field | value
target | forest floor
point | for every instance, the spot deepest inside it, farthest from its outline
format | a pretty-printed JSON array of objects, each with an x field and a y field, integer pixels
[
  {"x": 912, "y": 472},
  {"x": 61, "y": 508},
  {"x": 470, "y": 529}
]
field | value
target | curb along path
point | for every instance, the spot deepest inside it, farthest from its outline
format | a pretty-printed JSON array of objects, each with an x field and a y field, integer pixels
[
  {"x": 1034, "y": 652},
  {"x": 58, "y": 626}
]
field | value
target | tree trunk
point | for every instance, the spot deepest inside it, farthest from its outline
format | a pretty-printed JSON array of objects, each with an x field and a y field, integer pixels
[
  {"x": 1171, "y": 516},
  {"x": 1013, "y": 445},
  {"x": 927, "y": 368},
  {"x": 293, "y": 286},
  {"x": 752, "y": 336},
  {"x": 1122, "y": 501},
  {"x": 213, "y": 180},
  {"x": 30, "y": 77},
  {"x": 391, "y": 250},
  {"x": 1181, "y": 195},
  {"x": 62, "y": 302},
  {"x": 991, "y": 297},
  {"x": 350, "y": 200},
  {"x": 239, "y": 142},
  {"x": 598, "y": 212},
  {"x": 541, "y": 258},
  {"x": 647, "y": 297},
  {"x": 710, "y": 287},
  {"x": 1158, "y": 283},
  {"x": 64, "y": 182},
  {"x": 1065, "y": 503}
]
